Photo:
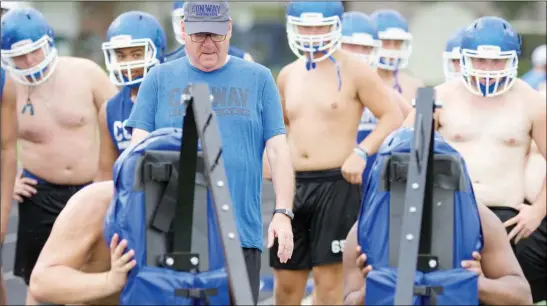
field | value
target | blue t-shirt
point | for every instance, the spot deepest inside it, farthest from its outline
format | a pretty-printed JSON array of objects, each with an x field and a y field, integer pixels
[
  {"x": 248, "y": 110},
  {"x": 118, "y": 109},
  {"x": 181, "y": 52},
  {"x": 2, "y": 81},
  {"x": 534, "y": 78}
]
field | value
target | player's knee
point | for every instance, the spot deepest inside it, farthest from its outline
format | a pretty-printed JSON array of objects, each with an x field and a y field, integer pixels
[
  {"x": 328, "y": 281},
  {"x": 289, "y": 283}
]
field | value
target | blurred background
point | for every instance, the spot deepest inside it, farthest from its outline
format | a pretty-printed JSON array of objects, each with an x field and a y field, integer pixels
[{"x": 259, "y": 27}]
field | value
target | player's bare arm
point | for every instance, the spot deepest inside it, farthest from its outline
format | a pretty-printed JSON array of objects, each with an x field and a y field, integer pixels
[
  {"x": 373, "y": 94},
  {"x": 108, "y": 153},
  {"x": 539, "y": 135},
  {"x": 76, "y": 236},
  {"x": 503, "y": 282},
  {"x": 266, "y": 169},
  {"x": 9, "y": 152},
  {"x": 103, "y": 89}
]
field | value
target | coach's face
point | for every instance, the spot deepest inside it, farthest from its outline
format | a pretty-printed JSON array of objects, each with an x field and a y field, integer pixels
[{"x": 207, "y": 51}]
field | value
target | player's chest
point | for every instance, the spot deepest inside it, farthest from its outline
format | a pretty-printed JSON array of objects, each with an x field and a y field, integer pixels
[
  {"x": 39, "y": 112},
  {"x": 324, "y": 96},
  {"x": 462, "y": 122}
]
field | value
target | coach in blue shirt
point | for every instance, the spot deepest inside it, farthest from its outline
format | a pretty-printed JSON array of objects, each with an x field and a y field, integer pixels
[{"x": 250, "y": 119}]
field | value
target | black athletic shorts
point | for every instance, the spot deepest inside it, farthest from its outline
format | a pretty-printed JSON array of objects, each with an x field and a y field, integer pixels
[
  {"x": 325, "y": 208},
  {"x": 531, "y": 253},
  {"x": 36, "y": 217}
]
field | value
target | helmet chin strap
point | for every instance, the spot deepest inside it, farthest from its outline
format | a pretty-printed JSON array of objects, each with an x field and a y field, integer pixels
[
  {"x": 310, "y": 65},
  {"x": 396, "y": 86}
]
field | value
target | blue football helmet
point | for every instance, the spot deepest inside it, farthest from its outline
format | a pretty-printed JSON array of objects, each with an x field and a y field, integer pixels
[
  {"x": 27, "y": 36},
  {"x": 392, "y": 25},
  {"x": 130, "y": 30},
  {"x": 177, "y": 16},
  {"x": 359, "y": 29},
  {"x": 451, "y": 54},
  {"x": 489, "y": 39},
  {"x": 314, "y": 14}
]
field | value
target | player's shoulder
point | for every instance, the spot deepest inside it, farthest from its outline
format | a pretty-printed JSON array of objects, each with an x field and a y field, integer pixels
[
  {"x": 411, "y": 79},
  {"x": 528, "y": 93},
  {"x": 287, "y": 69},
  {"x": 85, "y": 203}
]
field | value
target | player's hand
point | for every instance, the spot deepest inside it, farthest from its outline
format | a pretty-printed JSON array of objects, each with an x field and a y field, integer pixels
[
  {"x": 281, "y": 228},
  {"x": 473, "y": 265},
  {"x": 352, "y": 169},
  {"x": 527, "y": 221},
  {"x": 23, "y": 187},
  {"x": 362, "y": 262},
  {"x": 120, "y": 263}
]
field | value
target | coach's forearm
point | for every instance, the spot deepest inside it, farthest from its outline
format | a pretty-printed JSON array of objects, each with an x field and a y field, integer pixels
[
  {"x": 64, "y": 285},
  {"x": 283, "y": 178},
  {"x": 386, "y": 125},
  {"x": 507, "y": 290}
]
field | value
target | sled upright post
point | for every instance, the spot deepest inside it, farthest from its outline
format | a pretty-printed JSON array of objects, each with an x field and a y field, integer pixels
[
  {"x": 198, "y": 109},
  {"x": 416, "y": 230}
]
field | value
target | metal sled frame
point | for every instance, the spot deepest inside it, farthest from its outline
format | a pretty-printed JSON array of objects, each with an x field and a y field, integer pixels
[
  {"x": 416, "y": 230},
  {"x": 207, "y": 129},
  {"x": 169, "y": 242}
]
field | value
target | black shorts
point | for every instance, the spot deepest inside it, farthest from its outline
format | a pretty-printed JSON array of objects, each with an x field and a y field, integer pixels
[
  {"x": 36, "y": 218},
  {"x": 531, "y": 253},
  {"x": 325, "y": 208}
]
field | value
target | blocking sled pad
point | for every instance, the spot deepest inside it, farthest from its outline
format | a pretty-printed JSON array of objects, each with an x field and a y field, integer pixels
[{"x": 172, "y": 258}]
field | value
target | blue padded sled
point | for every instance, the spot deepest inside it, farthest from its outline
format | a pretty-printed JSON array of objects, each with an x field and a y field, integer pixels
[
  {"x": 130, "y": 214},
  {"x": 456, "y": 229}
]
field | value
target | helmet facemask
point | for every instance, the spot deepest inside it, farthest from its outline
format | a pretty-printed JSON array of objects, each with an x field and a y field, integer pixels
[
  {"x": 488, "y": 82},
  {"x": 307, "y": 46},
  {"x": 123, "y": 73},
  {"x": 38, "y": 73}
]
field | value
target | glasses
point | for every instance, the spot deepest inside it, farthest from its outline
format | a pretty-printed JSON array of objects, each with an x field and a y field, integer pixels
[{"x": 201, "y": 37}]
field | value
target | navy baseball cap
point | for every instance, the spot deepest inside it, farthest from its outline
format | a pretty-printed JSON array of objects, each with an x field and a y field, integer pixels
[{"x": 206, "y": 17}]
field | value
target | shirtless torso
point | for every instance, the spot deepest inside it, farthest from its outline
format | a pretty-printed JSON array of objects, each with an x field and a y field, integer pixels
[
  {"x": 493, "y": 135},
  {"x": 63, "y": 129},
  {"x": 408, "y": 84},
  {"x": 322, "y": 124},
  {"x": 76, "y": 251}
]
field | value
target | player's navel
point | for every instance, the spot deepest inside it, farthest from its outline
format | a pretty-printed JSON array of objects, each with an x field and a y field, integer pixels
[
  {"x": 305, "y": 155},
  {"x": 334, "y": 105}
]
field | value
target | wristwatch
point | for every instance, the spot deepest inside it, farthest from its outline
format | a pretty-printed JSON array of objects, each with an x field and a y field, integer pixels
[{"x": 284, "y": 211}]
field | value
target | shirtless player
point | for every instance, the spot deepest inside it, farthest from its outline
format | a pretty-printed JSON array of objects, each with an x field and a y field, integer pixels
[
  {"x": 491, "y": 126},
  {"x": 394, "y": 52},
  {"x": 76, "y": 266},
  {"x": 135, "y": 43},
  {"x": 58, "y": 100},
  {"x": 501, "y": 281},
  {"x": 360, "y": 37},
  {"x": 321, "y": 128}
]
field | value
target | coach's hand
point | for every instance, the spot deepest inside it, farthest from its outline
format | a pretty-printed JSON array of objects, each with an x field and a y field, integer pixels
[
  {"x": 120, "y": 263},
  {"x": 23, "y": 187},
  {"x": 352, "y": 169},
  {"x": 527, "y": 221},
  {"x": 281, "y": 228}
]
